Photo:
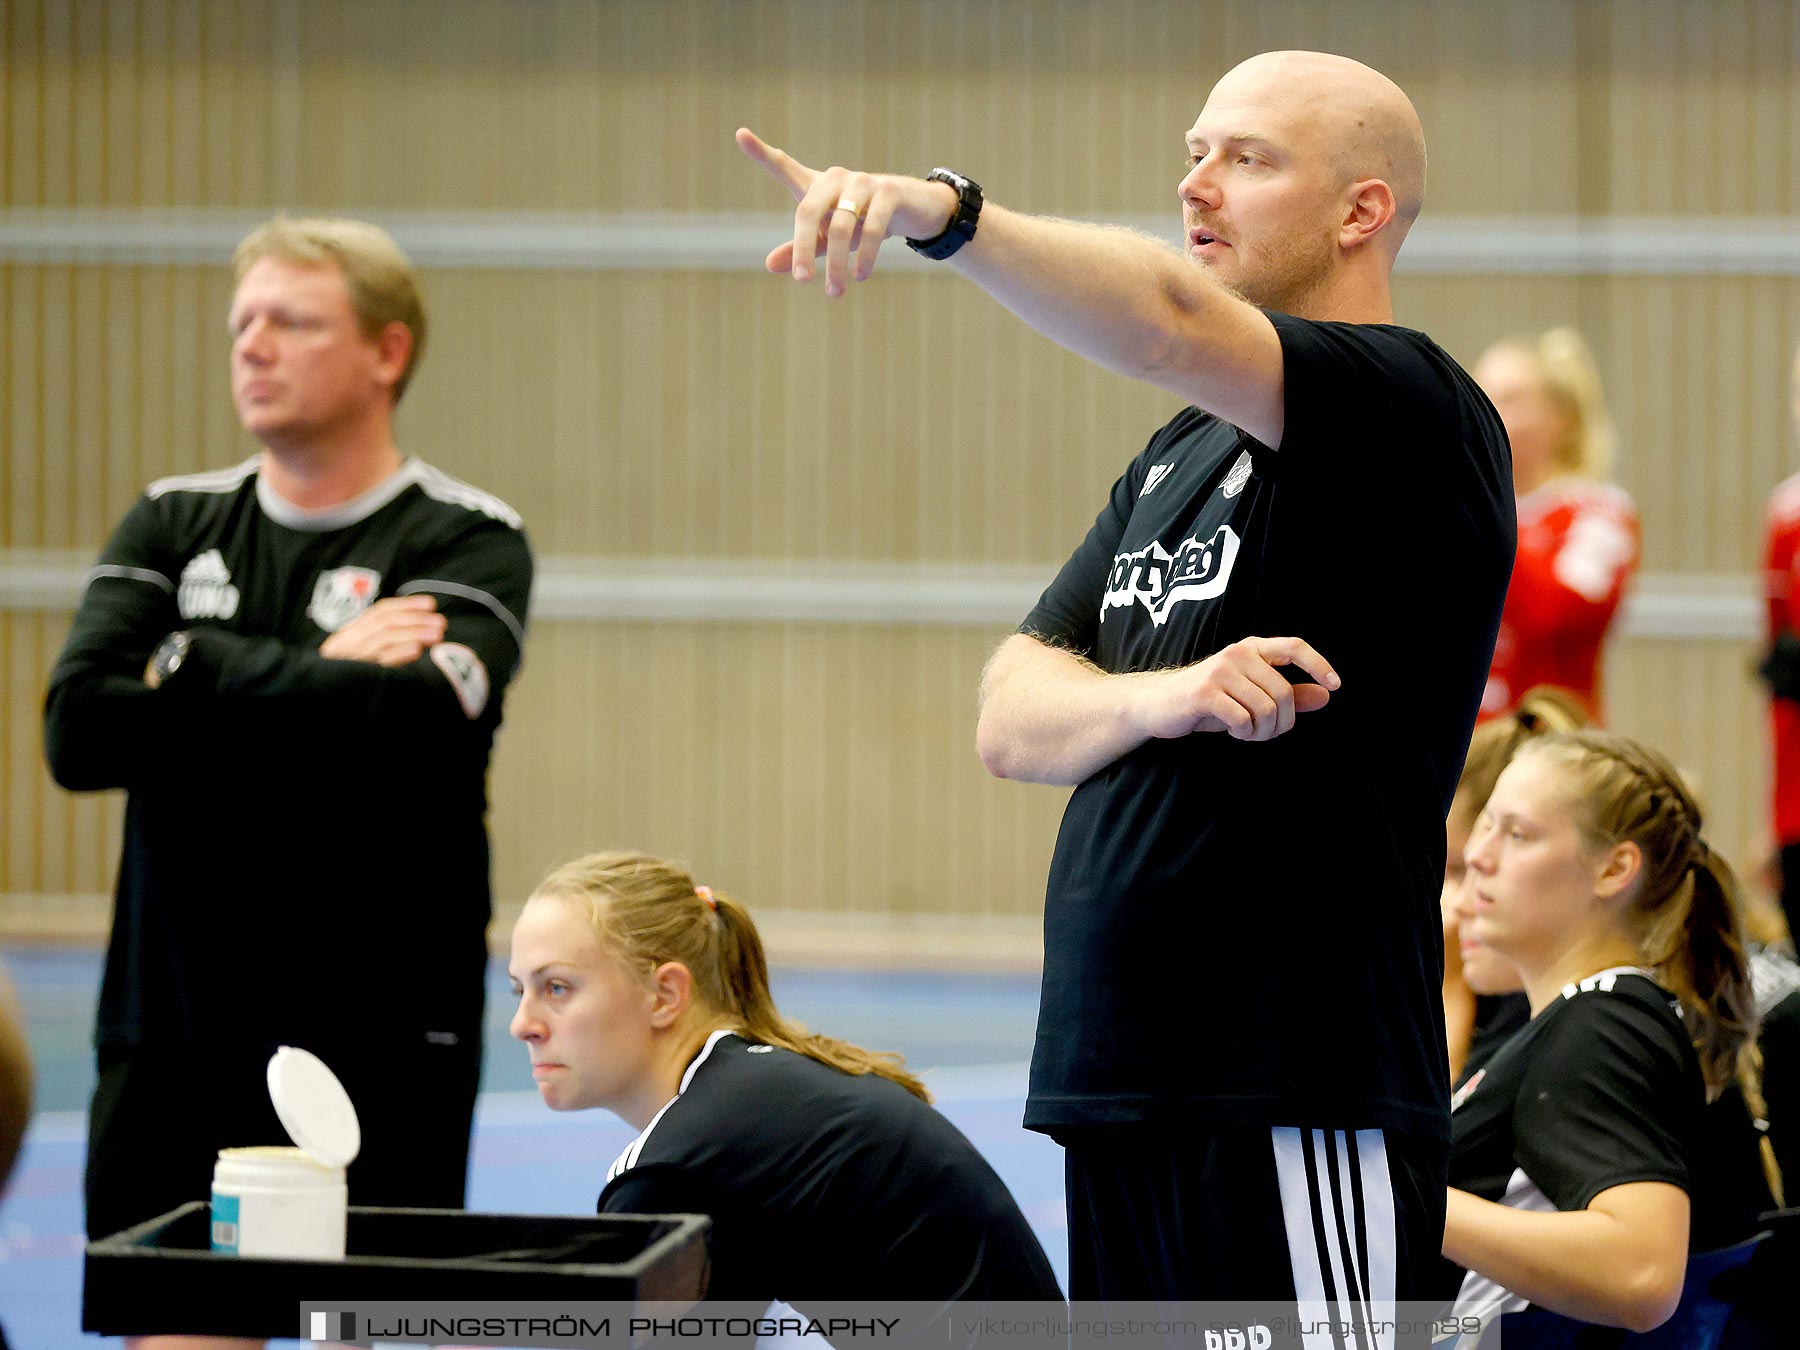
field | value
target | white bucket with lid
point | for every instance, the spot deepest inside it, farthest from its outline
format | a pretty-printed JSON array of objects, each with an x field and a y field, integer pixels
[{"x": 272, "y": 1201}]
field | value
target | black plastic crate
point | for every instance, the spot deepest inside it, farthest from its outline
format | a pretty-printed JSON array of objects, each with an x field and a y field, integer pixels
[{"x": 163, "y": 1276}]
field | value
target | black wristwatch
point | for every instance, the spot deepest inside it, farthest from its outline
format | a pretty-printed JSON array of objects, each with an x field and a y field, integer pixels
[
  {"x": 167, "y": 659},
  {"x": 961, "y": 228}
]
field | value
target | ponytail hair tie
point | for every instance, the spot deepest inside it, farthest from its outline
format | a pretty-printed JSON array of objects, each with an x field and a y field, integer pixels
[{"x": 705, "y": 893}]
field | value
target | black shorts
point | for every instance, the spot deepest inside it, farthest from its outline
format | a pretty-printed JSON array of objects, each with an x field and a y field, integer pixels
[
  {"x": 1353, "y": 1219},
  {"x": 159, "y": 1120}
]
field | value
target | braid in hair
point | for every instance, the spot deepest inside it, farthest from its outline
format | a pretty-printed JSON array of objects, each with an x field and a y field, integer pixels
[
  {"x": 1691, "y": 932},
  {"x": 1694, "y": 935}
]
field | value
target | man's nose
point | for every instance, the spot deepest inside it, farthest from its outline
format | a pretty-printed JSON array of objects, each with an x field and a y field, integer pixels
[
  {"x": 253, "y": 341},
  {"x": 1198, "y": 186}
]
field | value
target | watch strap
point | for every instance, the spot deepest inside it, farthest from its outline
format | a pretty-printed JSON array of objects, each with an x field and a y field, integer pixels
[{"x": 963, "y": 220}]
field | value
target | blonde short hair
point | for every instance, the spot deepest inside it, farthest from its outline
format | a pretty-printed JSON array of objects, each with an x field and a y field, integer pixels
[
  {"x": 1571, "y": 377},
  {"x": 383, "y": 286}
]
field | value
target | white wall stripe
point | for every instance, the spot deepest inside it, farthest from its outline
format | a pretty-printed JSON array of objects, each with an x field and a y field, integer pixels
[
  {"x": 1721, "y": 607},
  {"x": 738, "y": 241}
]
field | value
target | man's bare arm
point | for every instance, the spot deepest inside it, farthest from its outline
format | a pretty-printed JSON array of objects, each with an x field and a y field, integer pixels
[
  {"x": 1123, "y": 300},
  {"x": 1049, "y": 716}
]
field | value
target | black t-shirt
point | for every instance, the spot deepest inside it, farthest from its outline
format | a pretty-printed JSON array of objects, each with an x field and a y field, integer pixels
[
  {"x": 824, "y": 1186},
  {"x": 1777, "y": 982},
  {"x": 1780, "y": 1042},
  {"x": 1601, "y": 1088},
  {"x": 1282, "y": 897},
  {"x": 1730, "y": 1188},
  {"x": 274, "y": 790}
]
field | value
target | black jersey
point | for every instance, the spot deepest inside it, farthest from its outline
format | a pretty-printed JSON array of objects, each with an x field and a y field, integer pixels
[
  {"x": 1283, "y": 896},
  {"x": 824, "y": 1186},
  {"x": 1780, "y": 1043},
  {"x": 1601, "y": 1088},
  {"x": 338, "y": 804}
]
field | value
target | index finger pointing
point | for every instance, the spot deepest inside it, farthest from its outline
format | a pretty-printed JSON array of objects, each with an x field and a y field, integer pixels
[
  {"x": 779, "y": 164},
  {"x": 1291, "y": 651}
]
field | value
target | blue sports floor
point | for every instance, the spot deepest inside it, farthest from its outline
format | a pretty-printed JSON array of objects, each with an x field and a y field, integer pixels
[{"x": 971, "y": 1034}]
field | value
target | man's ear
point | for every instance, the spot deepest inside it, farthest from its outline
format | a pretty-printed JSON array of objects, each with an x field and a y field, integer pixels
[
  {"x": 1367, "y": 213},
  {"x": 672, "y": 989},
  {"x": 393, "y": 349}
]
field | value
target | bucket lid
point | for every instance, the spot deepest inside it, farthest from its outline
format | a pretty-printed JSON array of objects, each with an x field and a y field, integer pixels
[{"x": 314, "y": 1108}]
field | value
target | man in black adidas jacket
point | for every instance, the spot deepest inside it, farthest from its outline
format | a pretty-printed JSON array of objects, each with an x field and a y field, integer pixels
[{"x": 294, "y": 667}]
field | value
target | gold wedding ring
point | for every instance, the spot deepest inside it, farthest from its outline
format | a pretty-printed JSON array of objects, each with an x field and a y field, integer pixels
[{"x": 846, "y": 204}]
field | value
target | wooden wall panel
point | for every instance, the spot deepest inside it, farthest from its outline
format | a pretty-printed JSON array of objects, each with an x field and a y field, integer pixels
[
  {"x": 114, "y": 376},
  {"x": 821, "y": 773},
  {"x": 733, "y": 415},
  {"x": 721, "y": 415},
  {"x": 812, "y": 769},
  {"x": 1061, "y": 105},
  {"x": 825, "y": 774},
  {"x": 1697, "y": 702},
  {"x": 1704, "y": 116},
  {"x": 58, "y": 851}
]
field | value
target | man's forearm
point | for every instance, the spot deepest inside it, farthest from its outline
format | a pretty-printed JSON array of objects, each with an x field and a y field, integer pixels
[
  {"x": 1126, "y": 301},
  {"x": 1048, "y": 716}
]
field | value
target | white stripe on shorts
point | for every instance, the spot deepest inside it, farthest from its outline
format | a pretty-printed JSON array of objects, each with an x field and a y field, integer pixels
[{"x": 1337, "y": 1202}]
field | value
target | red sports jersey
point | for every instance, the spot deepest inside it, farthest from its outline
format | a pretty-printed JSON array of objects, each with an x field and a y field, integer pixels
[
  {"x": 1578, "y": 546},
  {"x": 1781, "y": 556}
]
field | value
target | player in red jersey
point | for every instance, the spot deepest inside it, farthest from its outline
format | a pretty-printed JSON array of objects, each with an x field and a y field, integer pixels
[
  {"x": 1781, "y": 588},
  {"x": 1578, "y": 534}
]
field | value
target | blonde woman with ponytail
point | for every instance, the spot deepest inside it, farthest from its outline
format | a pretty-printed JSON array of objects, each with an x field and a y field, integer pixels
[
  {"x": 1578, "y": 533},
  {"x": 826, "y": 1173},
  {"x": 1576, "y": 1147}
]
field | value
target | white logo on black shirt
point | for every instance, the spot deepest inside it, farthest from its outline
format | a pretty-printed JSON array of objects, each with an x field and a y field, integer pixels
[
  {"x": 205, "y": 591},
  {"x": 466, "y": 673},
  {"x": 341, "y": 594},
  {"x": 1198, "y": 570},
  {"x": 1157, "y": 474},
  {"x": 1463, "y": 1093},
  {"x": 1239, "y": 475}
]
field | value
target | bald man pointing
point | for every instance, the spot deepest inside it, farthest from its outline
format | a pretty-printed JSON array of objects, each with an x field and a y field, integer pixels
[{"x": 1260, "y": 670}]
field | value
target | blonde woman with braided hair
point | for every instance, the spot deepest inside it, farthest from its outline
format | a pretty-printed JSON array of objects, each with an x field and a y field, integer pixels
[
  {"x": 825, "y": 1171},
  {"x": 1575, "y": 1146}
]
